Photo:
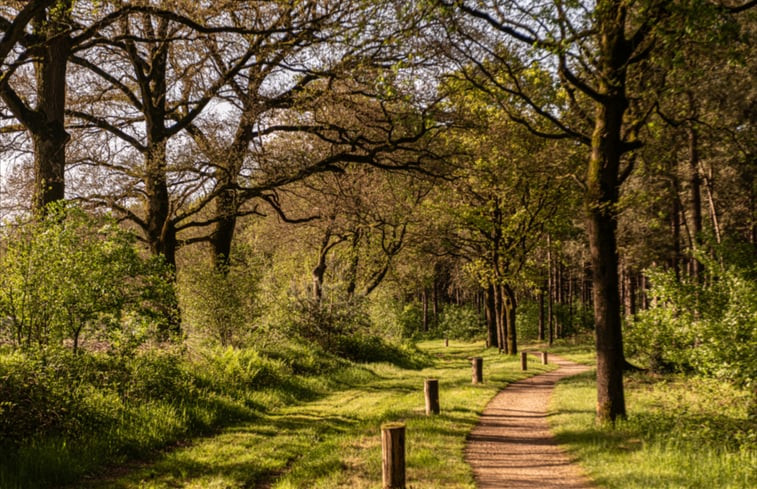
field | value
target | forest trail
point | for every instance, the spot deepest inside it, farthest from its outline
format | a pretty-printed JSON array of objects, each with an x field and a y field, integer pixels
[{"x": 512, "y": 445}]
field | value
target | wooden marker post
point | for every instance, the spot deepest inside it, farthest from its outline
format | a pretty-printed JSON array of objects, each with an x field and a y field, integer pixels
[
  {"x": 544, "y": 358},
  {"x": 478, "y": 370},
  {"x": 393, "y": 455},
  {"x": 523, "y": 360},
  {"x": 446, "y": 341},
  {"x": 431, "y": 390}
]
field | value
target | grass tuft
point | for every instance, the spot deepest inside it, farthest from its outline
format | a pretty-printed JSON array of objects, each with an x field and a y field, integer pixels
[{"x": 681, "y": 432}]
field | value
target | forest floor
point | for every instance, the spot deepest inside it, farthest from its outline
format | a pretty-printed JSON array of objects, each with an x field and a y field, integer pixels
[
  {"x": 332, "y": 441},
  {"x": 512, "y": 445}
]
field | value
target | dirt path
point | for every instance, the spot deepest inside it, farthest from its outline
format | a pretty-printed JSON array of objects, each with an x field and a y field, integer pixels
[{"x": 512, "y": 446}]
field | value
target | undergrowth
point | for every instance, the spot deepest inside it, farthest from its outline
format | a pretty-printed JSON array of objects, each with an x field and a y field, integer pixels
[
  {"x": 64, "y": 415},
  {"x": 681, "y": 432}
]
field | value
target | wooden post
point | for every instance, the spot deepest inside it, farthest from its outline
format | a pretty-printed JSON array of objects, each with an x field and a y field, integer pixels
[
  {"x": 478, "y": 370},
  {"x": 544, "y": 358},
  {"x": 446, "y": 341},
  {"x": 393, "y": 455},
  {"x": 523, "y": 360},
  {"x": 431, "y": 390}
]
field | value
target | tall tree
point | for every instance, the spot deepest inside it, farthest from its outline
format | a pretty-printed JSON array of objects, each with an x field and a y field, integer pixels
[
  {"x": 48, "y": 46},
  {"x": 504, "y": 191},
  {"x": 599, "y": 56}
]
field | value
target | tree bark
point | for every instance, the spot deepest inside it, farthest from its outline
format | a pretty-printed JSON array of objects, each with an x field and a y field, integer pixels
[
  {"x": 223, "y": 232},
  {"x": 675, "y": 226},
  {"x": 510, "y": 306},
  {"x": 542, "y": 292},
  {"x": 602, "y": 193},
  {"x": 499, "y": 308},
  {"x": 550, "y": 287},
  {"x": 491, "y": 317},
  {"x": 695, "y": 181},
  {"x": 161, "y": 233},
  {"x": 46, "y": 121},
  {"x": 50, "y": 137},
  {"x": 424, "y": 296}
]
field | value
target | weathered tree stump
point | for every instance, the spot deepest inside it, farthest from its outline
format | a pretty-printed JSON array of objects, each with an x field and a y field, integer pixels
[
  {"x": 393, "y": 455},
  {"x": 523, "y": 360},
  {"x": 478, "y": 370},
  {"x": 544, "y": 358},
  {"x": 431, "y": 390}
]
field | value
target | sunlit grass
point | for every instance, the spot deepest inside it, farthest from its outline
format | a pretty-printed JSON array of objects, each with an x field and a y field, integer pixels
[
  {"x": 680, "y": 433},
  {"x": 333, "y": 441}
]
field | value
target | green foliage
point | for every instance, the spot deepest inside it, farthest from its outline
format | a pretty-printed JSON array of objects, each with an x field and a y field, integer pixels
[
  {"x": 682, "y": 432},
  {"x": 64, "y": 414},
  {"x": 327, "y": 324},
  {"x": 393, "y": 318},
  {"x": 527, "y": 320},
  {"x": 69, "y": 274},
  {"x": 410, "y": 319},
  {"x": 220, "y": 304},
  {"x": 710, "y": 329},
  {"x": 461, "y": 322}
]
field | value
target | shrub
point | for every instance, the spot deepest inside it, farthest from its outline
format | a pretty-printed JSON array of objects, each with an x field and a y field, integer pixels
[
  {"x": 461, "y": 322},
  {"x": 220, "y": 304},
  {"x": 325, "y": 324},
  {"x": 710, "y": 329},
  {"x": 69, "y": 274}
]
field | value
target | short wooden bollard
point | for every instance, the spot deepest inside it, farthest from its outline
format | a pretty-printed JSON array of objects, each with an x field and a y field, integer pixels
[
  {"x": 544, "y": 358},
  {"x": 478, "y": 370},
  {"x": 431, "y": 390},
  {"x": 393, "y": 455},
  {"x": 446, "y": 341},
  {"x": 523, "y": 360}
]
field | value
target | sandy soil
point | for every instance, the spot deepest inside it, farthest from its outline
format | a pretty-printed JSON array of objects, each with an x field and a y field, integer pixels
[{"x": 512, "y": 446}]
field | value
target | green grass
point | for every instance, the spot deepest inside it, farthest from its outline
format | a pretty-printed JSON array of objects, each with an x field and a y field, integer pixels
[
  {"x": 333, "y": 440},
  {"x": 579, "y": 349},
  {"x": 681, "y": 432}
]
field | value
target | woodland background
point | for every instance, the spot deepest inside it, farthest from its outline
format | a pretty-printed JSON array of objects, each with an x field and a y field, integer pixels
[{"x": 308, "y": 182}]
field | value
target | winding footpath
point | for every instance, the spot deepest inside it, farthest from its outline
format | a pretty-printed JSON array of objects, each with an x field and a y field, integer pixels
[{"x": 512, "y": 446}]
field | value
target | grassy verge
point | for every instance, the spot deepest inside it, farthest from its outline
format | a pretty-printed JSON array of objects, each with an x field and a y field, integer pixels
[
  {"x": 681, "y": 432},
  {"x": 333, "y": 441}
]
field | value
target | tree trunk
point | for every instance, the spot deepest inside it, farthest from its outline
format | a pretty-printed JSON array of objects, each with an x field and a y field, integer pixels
[
  {"x": 435, "y": 303},
  {"x": 570, "y": 302},
  {"x": 223, "y": 232},
  {"x": 424, "y": 296},
  {"x": 491, "y": 317},
  {"x": 161, "y": 233},
  {"x": 696, "y": 201},
  {"x": 542, "y": 292},
  {"x": 510, "y": 305},
  {"x": 602, "y": 198},
  {"x": 675, "y": 225},
  {"x": 603, "y": 182},
  {"x": 709, "y": 191},
  {"x": 46, "y": 121},
  {"x": 50, "y": 143},
  {"x": 354, "y": 264},
  {"x": 499, "y": 308},
  {"x": 319, "y": 270},
  {"x": 550, "y": 287},
  {"x": 631, "y": 304}
]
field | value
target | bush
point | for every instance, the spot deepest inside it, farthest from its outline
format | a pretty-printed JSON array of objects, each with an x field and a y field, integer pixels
[
  {"x": 461, "y": 322},
  {"x": 326, "y": 324},
  {"x": 221, "y": 305},
  {"x": 69, "y": 275},
  {"x": 708, "y": 329}
]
